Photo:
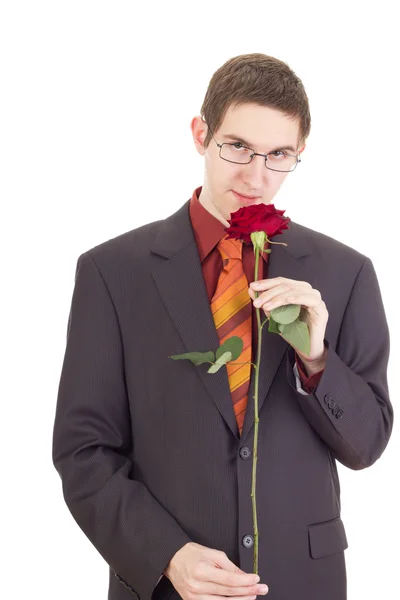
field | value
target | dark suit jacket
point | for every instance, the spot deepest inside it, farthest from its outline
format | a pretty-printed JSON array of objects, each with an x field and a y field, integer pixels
[{"x": 147, "y": 447}]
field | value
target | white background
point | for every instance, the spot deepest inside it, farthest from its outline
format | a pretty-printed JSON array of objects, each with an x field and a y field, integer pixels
[{"x": 96, "y": 101}]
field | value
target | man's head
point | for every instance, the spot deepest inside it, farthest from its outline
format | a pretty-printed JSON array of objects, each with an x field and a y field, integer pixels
[{"x": 259, "y": 101}]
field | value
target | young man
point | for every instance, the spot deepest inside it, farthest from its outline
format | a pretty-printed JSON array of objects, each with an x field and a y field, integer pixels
[{"x": 154, "y": 455}]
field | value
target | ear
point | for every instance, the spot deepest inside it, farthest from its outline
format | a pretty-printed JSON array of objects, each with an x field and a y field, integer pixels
[
  {"x": 199, "y": 131},
  {"x": 300, "y": 151}
]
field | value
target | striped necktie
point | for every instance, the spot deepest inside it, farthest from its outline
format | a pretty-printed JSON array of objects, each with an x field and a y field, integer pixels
[{"x": 232, "y": 312}]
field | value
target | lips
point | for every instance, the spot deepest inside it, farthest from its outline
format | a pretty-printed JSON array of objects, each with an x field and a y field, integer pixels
[{"x": 246, "y": 200}]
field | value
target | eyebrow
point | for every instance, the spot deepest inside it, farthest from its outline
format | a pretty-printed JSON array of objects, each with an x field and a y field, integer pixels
[{"x": 237, "y": 138}]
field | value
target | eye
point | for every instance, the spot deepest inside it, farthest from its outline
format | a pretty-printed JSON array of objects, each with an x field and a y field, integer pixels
[
  {"x": 276, "y": 153},
  {"x": 238, "y": 145}
]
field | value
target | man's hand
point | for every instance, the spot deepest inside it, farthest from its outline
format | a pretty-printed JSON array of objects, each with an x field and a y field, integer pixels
[
  {"x": 279, "y": 291},
  {"x": 200, "y": 572}
]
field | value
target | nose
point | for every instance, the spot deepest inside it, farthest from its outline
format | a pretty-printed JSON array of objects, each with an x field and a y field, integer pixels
[{"x": 255, "y": 173}]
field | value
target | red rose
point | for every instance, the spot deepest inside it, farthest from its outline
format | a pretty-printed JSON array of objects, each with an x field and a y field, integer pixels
[{"x": 257, "y": 217}]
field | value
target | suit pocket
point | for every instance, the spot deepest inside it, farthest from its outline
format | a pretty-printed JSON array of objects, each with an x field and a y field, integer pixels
[{"x": 327, "y": 538}]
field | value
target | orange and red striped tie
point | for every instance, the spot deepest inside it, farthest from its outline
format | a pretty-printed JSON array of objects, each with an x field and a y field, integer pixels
[{"x": 231, "y": 307}]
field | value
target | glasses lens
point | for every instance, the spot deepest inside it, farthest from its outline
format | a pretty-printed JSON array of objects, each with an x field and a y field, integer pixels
[
  {"x": 236, "y": 153},
  {"x": 278, "y": 161}
]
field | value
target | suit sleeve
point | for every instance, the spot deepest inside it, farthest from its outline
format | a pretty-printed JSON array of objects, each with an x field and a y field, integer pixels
[
  {"x": 350, "y": 408},
  {"x": 92, "y": 444}
]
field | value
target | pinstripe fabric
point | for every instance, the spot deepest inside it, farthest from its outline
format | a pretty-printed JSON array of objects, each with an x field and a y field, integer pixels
[
  {"x": 231, "y": 310},
  {"x": 147, "y": 447}
]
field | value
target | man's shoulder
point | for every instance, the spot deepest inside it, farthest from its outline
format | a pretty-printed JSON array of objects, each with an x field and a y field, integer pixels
[
  {"x": 128, "y": 245},
  {"x": 325, "y": 246},
  {"x": 136, "y": 243}
]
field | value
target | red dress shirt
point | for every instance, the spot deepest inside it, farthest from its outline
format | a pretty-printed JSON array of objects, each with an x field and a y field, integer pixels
[{"x": 208, "y": 231}]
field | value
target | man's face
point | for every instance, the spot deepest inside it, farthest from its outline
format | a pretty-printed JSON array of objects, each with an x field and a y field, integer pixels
[{"x": 264, "y": 130}]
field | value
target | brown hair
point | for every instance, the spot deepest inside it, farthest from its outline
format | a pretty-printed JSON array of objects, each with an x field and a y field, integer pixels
[{"x": 260, "y": 79}]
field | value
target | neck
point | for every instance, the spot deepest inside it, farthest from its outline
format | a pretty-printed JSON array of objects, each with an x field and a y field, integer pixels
[{"x": 207, "y": 203}]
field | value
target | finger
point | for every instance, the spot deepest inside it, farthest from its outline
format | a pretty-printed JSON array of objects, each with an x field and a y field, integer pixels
[
  {"x": 310, "y": 300},
  {"x": 260, "y": 293},
  {"x": 223, "y": 563},
  {"x": 211, "y": 597},
  {"x": 264, "y": 284},
  {"x": 270, "y": 283},
  {"x": 226, "y": 577},
  {"x": 226, "y": 590},
  {"x": 211, "y": 588},
  {"x": 305, "y": 300},
  {"x": 273, "y": 293}
]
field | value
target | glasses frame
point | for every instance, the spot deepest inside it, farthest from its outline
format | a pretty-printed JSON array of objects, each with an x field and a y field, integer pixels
[{"x": 265, "y": 156}]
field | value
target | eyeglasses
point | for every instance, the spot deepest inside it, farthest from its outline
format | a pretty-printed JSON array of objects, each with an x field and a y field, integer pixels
[{"x": 239, "y": 154}]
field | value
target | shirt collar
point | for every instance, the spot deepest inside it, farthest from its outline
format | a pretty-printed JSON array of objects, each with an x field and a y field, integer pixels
[{"x": 207, "y": 229}]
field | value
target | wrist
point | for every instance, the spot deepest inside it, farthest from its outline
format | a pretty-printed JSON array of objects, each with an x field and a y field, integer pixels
[
  {"x": 315, "y": 365},
  {"x": 176, "y": 557}
]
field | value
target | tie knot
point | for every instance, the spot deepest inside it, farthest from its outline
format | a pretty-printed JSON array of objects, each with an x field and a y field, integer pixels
[{"x": 229, "y": 248}]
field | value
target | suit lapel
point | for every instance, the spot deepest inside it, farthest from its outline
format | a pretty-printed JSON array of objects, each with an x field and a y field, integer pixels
[{"x": 177, "y": 272}]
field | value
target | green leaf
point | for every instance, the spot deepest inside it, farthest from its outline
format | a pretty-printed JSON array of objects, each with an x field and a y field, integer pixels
[
  {"x": 233, "y": 344},
  {"x": 286, "y": 314},
  {"x": 273, "y": 326},
  {"x": 197, "y": 358},
  {"x": 220, "y": 362},
  {"x": 297, "y": 335}
]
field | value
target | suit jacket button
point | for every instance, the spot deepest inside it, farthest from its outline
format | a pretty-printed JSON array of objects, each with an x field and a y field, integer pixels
[
  {"x": 339, "y": 413},
  {"x": 327, "y": 398},
  {"x": 248, "y": 541},
  {"x": 245, "y": 452}
]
